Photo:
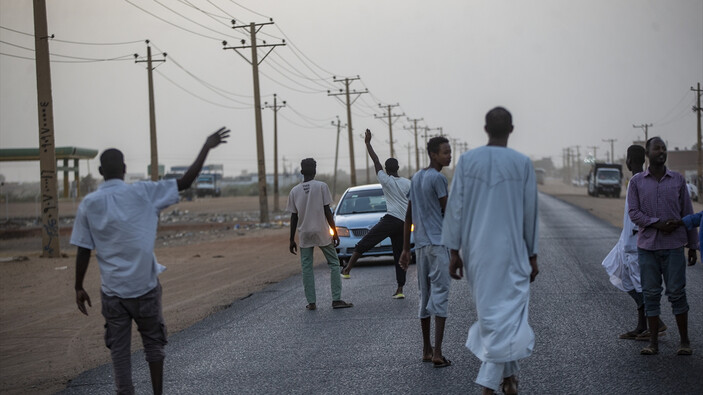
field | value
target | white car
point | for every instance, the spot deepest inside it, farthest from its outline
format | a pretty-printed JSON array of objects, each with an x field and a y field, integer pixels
[
  {"x": 359, "y": 209},
  {"x": 692, "y": 191}
]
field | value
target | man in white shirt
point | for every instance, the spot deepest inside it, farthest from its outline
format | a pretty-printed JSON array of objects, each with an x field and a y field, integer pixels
[
  {"x": 309, "y": 205},
  {"x": 395, "y": 190},
  {"x": 119, "y": 221}
]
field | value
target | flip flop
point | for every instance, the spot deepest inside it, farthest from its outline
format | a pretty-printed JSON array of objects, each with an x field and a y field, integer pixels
[
  {"x": 649, "y": 351},
  {"x": 445, "y": 362},
  {"x": 398, "y": 296},
  {"x": 346, "y": 276},
  {"x": 644, "y": 336},
  {"x": 684, "y": 350},
  {"x": 632, "y": 335},
  {"x": 340, "y": 304},
  {"x": 427, "y": 359}
]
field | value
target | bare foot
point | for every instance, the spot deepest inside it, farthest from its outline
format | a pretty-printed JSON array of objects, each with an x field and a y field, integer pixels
[{"x": 487, "y": 391}]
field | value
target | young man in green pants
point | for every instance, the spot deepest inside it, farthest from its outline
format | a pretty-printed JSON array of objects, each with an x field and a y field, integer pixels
[{"x": 309, "y": 205}]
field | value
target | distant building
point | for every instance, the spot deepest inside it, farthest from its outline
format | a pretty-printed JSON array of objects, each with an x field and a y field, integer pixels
[{"x": 684, "y": 162}]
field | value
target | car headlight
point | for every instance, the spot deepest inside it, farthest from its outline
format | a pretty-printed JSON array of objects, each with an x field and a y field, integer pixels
[{"x": 342, "y": 231}]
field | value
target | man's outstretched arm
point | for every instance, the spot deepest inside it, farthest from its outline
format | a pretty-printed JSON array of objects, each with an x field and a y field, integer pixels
[
  {"x": 372, "y": 153},
  {"x": 191, "y": 174}
]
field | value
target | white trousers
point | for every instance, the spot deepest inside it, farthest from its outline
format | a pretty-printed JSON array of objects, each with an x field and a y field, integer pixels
[{"x": 491, "y": 374}]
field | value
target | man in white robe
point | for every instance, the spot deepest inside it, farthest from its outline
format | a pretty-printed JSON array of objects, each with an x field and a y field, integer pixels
[{"x": 490, "y": 227}]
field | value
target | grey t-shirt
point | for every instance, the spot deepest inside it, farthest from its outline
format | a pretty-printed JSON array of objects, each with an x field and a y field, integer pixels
[{"x": 427, "y": 187}]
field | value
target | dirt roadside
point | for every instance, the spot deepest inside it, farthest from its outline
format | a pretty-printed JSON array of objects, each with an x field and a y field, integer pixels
[{"x": 214, "y": 256}]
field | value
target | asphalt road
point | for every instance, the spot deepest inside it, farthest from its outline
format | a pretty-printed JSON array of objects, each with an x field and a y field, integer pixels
[{"x": 268, "y": 343}]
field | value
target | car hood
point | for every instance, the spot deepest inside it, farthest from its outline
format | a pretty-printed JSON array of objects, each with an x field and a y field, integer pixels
[{"x": 356, "y": 221}]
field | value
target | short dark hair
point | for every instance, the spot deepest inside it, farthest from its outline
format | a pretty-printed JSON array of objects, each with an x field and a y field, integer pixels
[
  {"x": 308, "y": 166},
  {"x": 499, "y": 122},
  {"x": 392, "y": 164},
  {"x": 636, "y": 153},
  {"x": 649, "y": 142},
  {"x": 434, "y": 144},
  {"x": 112, "y": 162}
]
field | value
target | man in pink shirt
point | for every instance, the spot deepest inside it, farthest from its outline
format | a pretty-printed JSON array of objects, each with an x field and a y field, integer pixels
[{"x": 658, "y": 198}]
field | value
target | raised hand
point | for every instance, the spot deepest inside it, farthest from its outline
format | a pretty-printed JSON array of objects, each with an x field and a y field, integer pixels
[
  {"x": 217, "y": 138},
  {"x": 367, "y": 136}
]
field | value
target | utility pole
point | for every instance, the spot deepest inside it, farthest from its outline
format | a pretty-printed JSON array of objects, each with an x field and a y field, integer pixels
[
  {"x": 368, "y": 176},
  {"x": 594, "y": 148},
  {"x": 348, "y": 103},
  {"x": 578, "y": 162},
  {"x": 456, "y": 151},
  {"x": 47, "y": 148},
  {"x": 252, "y": 29},
  {"x": 336, "y": 157},
  {"x": 391, "y": 119},
  {"x": 417, "y": 149},
  {"x": 644, "y": 127},
  {"x": 409, "y": 147},
  {"x": 154, "y": 169},
  {"x": 611, "y": 141},
  {"x": 568, "y": 160},
  {"x": 275, "y": 109},
  {"x": 697, "y": 109}
]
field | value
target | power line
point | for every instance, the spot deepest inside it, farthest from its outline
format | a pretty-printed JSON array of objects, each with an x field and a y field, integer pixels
[
  {"x": 315, "y": 89},
  {"x": 208, "y": 85},
  {"x": 200, "y": 97},
  {"x": 286, "y": 86},
  {"x": 211, "y": 15},
  {"x": 192, "y": 21},
  {"x": 173, "y": 24},
  {"x": 304, "y": 126},
  {"x": 308, "y": 117},
  {"x": 250, "y": 10}
]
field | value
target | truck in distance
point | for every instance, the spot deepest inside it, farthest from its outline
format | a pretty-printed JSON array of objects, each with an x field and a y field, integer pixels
[{"x": 605, "y": 179}]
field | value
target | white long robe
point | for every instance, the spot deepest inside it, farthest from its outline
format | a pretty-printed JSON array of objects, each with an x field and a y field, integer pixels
[
  {"x": 621, "y": 263},
  {"x": 491, "y": 217}
]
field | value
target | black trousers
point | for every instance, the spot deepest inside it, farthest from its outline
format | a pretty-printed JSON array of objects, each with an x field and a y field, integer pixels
[{"x": 388, "y": 226}]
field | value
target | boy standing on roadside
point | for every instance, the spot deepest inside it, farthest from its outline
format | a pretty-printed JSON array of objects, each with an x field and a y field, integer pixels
[
  {"x": 309, "y": 205},
  {"x": 426, "y": 203}
]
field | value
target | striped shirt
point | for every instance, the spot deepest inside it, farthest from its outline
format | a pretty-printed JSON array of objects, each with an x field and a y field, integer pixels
[{"x": 651, "y": 201}]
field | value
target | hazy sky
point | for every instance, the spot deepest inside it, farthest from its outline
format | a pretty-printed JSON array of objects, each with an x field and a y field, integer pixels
[{"x": 571, "y": 72}]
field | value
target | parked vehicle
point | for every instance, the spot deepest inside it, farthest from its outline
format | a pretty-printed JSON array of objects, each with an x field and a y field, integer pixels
[
  {"x": 359, "y": 209},
  {"x": 692, "y": 191},
  {"x": 208, "y": 184},
  {"x": 605, "y": 179},
  {"x": 540, "y": 175}
]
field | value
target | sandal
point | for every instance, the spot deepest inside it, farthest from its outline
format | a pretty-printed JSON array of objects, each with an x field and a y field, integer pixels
[
  {"x": 684, "y": 349},
  {"x": 650, "y": 350},
  {"x": 311, "y": 306},
  {"x": 340, "y": 304},
  {"x": 443, "y": 363}
]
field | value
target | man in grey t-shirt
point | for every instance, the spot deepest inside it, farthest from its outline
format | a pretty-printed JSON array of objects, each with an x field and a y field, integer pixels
[{"x": 426, "y": 203}]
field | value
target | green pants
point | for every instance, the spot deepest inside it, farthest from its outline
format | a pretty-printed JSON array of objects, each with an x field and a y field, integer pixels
[{"x": 306, "y": 259}]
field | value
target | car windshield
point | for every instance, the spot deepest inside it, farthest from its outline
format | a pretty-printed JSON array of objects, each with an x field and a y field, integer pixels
[
  {"x": 364, "y": 201},
  {"x": 610, "y": 175}
]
